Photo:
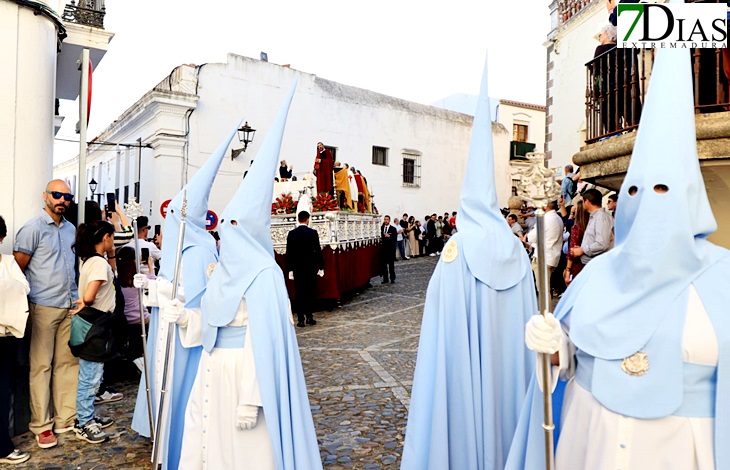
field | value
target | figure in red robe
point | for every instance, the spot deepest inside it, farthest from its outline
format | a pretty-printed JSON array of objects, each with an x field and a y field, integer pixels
[
  {"x": 360, "y": 192},
  {"x": 323, "y": 170}
]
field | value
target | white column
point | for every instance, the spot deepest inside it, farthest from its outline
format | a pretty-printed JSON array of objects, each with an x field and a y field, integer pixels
[{"x": 27, "y": 91}]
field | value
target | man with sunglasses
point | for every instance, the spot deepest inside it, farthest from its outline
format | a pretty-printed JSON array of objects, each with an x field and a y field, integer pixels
[{"x": 43, "y": 251}]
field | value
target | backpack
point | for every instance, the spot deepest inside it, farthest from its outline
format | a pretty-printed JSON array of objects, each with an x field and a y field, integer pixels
[{"x": 573, "y": 188}]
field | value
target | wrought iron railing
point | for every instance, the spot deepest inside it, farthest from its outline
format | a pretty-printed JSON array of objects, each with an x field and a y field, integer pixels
[
  {"x": 617, "y": 81},
  {"x": 87, "y": 12},
  {"x": 518, "y": 150}
]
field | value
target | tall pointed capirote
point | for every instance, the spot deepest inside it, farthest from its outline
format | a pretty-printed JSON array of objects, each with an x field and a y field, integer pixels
[
  {"x": 494, "y": 255},
  {"x": 197, "y": 192},
  {"x": 246, "y": 247}
]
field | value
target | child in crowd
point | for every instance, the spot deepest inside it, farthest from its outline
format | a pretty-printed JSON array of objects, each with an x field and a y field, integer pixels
[
  {"x": 91, "y": 338},
  {"x": 127, "y": 268}
]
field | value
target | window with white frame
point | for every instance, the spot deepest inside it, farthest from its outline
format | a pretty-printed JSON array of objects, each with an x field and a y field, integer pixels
[
  {"x": 411, "y": 168},
  {"x": 380, "y": 155}
]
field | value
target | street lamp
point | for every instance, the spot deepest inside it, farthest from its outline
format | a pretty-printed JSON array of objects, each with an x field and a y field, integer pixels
[
  {"x": 92, "y": 187},
  {"x": 245, "y": 135}
]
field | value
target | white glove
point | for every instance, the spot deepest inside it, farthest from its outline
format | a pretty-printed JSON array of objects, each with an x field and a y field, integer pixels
[
  {"x": 544, "y": 334},
  {"x": 173, "y": 311},
  {"x": 140, "y": 281},
  {"x": 320, "y": 273},
  {"x": 291, "y": 275},
  {"x": 246, "y": 417}
]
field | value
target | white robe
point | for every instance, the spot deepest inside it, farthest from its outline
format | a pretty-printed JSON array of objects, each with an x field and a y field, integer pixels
[
  {"x": 593, "y": 437},
  {"x": 353, "y": 188},
  {"x": 160, "y": 291},
  {"x": 226, "y": 379}
]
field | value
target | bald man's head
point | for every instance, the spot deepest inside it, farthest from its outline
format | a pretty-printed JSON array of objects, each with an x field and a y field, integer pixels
[
  {"x": 58, "y": 185},
  {"x": 57, "y": 205}
]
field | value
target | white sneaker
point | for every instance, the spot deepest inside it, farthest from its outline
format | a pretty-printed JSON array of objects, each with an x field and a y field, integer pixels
[
  {"x": 108, "y": 397},
  {"x": 432, "y": 254},
  {"x": 408, "y": 257},
  {"x": 139, "y": 362},
  {"x": 15, "y": 457}
]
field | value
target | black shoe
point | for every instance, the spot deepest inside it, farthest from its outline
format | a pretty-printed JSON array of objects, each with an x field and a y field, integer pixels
[
  {"x": 393, "y": 281},
  {"x": 311, "y": 321},
  {"x": 385, "y": 281},
  {"x": 90, "y": 432},
  {"x": 301, "y": 324},
  {"x": 103, "y": 421}
]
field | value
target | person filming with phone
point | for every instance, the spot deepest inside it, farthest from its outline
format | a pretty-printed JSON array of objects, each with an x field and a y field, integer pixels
[{"x": 143, "y": 230}]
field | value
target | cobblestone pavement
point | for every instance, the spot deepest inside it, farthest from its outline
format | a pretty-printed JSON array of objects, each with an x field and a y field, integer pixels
[{"x": 358, "y": 363}]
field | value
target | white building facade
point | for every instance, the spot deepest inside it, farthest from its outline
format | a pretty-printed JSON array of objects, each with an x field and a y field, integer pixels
[
  {"x": 412, "y": 155},
  {"x": 526, "y": 124},
  {"x": 570, "y": 46}
]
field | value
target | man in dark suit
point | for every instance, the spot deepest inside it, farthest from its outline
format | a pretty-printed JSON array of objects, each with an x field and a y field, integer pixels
[
  {"x": 388, "y": 237},
  {"x": 431, "y": 247},
  {"x": 304, "y": 263}
]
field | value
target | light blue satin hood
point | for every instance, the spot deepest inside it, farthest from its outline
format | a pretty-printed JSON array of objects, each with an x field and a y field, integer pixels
[
  {"x": 494, "y": 255},
  {"x": 246, "y": 248},
  {"x": 197, "y": 193}
]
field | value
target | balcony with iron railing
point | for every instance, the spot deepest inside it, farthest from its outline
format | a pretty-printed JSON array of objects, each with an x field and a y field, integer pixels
[
  {"x": 519, "y": 150},
  {"x": 567, "y": 9},
  {"x": 617, "y": 81},
  {"x": 86, "y": 12}
]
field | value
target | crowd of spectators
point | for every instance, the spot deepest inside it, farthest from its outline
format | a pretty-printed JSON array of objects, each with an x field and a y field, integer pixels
[
  {"x": 424, "y": 238},
  {"x": 410, "y": 238},
  {"x": 577, "y": 228},
  {"x": 72, "y": 288}
]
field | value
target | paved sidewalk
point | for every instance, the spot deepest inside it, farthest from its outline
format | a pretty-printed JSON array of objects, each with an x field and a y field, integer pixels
[{"x": 358, "y": 362}]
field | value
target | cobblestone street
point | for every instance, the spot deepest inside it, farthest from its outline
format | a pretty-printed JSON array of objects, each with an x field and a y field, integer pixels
[{"x": 358, "y": 362}]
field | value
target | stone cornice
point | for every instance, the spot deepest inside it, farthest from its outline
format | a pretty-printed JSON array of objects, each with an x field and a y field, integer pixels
[
  {"x": 142, "y": 111},
  {"x": 612, "y": 156},
  {"x": 151, "y": 106}
]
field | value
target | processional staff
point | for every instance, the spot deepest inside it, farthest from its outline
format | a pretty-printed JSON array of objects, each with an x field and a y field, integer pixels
[
  {"x": 133, "y": 209},
  {"x": 538, "y": 186},
  {"x": 170, "y": 332}
]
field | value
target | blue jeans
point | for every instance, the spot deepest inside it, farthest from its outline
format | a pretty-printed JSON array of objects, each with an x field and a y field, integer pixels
[
  {"x": 401, "y": 246},
  {"x": 89, "y": 380}
]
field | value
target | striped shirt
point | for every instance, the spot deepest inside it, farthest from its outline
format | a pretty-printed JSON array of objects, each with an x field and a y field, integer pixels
[{"x": 123, "y": 237}]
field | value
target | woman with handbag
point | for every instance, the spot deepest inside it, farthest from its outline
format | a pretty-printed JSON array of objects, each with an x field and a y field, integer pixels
[
  {"x": 574, "y": 266},
  {"x": 91, "y": 337},
  {"x": 14, "y": 288}
]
